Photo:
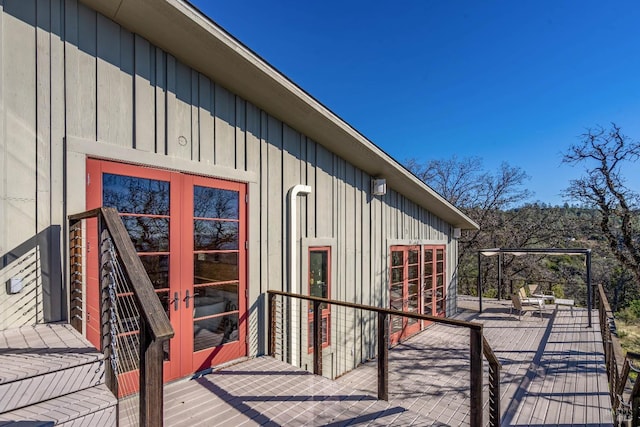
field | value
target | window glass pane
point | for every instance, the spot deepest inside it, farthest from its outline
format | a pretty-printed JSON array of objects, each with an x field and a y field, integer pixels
[
  {"x": 396, "y": 274},
  {"x": 428, "y": 255},
  {"x": 215, "y": 267},
  {"x": 210, "y": 300},
  {"x": 396, "y": 293},
  {"x": 215, "y": 235},
  {"x": 413, "y": 288},
  {"x": 148, "y": 234},
  {"x": 319, "y": 275},
  {"x": 413, "y": 272},
  {"x": 413, "y": 257},
  {"x": 157, "y": 267},
  {"x": 396, "y": 258},
  {"x": 396, "y": 324},
  {"x": 215, "y": 331},
  {"x": 215, "y": 203},
  {"x": 135, "y": 195}
]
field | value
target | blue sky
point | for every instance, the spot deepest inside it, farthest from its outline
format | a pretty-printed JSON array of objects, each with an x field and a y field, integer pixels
[{"x": 513, "y": 81}]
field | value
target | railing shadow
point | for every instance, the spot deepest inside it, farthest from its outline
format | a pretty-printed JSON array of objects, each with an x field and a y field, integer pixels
[{"x": 35, "y": 264}]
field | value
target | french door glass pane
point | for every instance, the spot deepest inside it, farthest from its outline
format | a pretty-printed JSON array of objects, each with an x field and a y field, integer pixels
[
  {"x": 148, "y": 234},
  {"x": 396, "y": 258},
  {"x": 216, "y": 299},
  {"x": 213, "y": 235},
  {"x": 215, "y": 267},
  {"x": 215, "y": 331},
  {"x": 157, "y": 267},
  {"x": 413, "y": 256},
  {"x": 215, "y": 203},
  {"x": 134, "y": 195}
]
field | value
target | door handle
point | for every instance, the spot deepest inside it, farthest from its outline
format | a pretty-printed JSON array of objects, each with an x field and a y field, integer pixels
[
  {"x": 186, "y": 298},
  {"x": 175, "y": 301}
]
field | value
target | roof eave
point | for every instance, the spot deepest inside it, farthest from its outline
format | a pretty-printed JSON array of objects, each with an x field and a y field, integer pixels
[{"x": 180, "y": 29}]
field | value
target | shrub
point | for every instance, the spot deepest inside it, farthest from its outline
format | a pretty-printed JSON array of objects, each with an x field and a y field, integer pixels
[{"x": 557, "y": 290}]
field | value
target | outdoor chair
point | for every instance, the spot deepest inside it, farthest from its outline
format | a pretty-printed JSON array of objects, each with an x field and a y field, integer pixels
[
  {"x": 533, "y": 291},
  {"x": 527, "y": 300},
  {"x": 518, "y": 306}
]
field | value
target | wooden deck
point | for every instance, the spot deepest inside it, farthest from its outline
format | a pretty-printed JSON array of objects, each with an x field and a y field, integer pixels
[
  {"x": 553, "y": 370},
  {"x": 552, "y": 375}
]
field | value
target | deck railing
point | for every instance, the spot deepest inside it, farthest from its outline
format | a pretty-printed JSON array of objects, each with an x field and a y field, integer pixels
[
  {"x": 280, "y": 306},
  {"x": 134, "y": 325},
  {"x": 625, "y": 395}
]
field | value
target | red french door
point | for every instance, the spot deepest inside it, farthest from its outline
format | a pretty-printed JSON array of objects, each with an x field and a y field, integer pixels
[
  {"x": 190, "y": 234},
  {"x": 404, "y": 291},
  {"x": 433, "y": 287}
]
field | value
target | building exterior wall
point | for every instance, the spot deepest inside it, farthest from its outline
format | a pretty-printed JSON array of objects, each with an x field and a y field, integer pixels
[{"x": 77, "y": 85}]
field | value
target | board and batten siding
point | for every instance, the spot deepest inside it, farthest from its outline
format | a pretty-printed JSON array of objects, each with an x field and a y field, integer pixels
[{"x": 74, "y": 84}]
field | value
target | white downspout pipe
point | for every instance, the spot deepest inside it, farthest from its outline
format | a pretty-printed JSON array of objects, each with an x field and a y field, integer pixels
[{"x": 293, "y": 264}]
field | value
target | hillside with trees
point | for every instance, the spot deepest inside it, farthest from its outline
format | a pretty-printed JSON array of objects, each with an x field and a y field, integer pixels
[{"x": 603, "y": 216}]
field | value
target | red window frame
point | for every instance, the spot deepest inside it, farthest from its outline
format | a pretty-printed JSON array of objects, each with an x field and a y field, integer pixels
[{"x": 325, "y": 312}]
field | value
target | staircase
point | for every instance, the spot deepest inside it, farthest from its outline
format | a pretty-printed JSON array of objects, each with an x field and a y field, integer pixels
[{"x": 50, "y": 375}]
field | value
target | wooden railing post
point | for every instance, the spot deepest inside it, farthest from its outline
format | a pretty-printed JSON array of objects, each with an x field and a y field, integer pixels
[
  {"x": 383, "y": 356},
  {"x": 475, "y": 351},
  {"x": 151, "y": 383},
  {"x": 317, "y": 338}
]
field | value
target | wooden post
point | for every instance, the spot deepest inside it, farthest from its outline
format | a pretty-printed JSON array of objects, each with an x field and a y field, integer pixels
[
  {"x": 317, "y": 338},
  {"x": 475, "y": 350},
  {"x": 151, "y": 392},
  {"x": 271, "y": 324},
  {"x": 383, "y": 356}
]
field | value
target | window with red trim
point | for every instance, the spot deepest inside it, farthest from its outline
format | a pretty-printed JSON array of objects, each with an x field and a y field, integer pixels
[{"x": 320, "y": 286}]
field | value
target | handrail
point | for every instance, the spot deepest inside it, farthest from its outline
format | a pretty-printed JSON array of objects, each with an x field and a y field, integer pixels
[
  {"x": 417, "y": 316},
  {"x": 150, "y": 307},
  {"x": 623, "y": 403},
  {"x": 155, "y": 327},
  {"x": 478, "y": 347}
]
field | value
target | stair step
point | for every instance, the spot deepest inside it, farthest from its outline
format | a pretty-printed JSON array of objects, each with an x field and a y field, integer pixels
[
  {"x": 95, "y": 406},
  {"x": 42, "y": 362}
]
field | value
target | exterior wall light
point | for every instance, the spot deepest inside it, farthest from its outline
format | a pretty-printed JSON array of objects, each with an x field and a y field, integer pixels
[{"x": 378, "y": 186}]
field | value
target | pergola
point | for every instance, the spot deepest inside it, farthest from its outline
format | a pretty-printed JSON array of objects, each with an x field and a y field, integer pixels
[{"x": 528, "y": 251}]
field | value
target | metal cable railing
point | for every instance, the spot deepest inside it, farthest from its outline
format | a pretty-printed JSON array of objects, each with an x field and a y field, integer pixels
[
  {"x": 625, "y": 394},
  {"x": 354, "y": 334},
  {"x": 133, "y": 326}
]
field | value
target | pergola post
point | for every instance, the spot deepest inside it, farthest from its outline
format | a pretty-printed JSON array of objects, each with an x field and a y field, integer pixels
[
  {"x": 479, "y": 283},
  {"x": 589, "y": 298},
  {"x": 500, "y": 261}
]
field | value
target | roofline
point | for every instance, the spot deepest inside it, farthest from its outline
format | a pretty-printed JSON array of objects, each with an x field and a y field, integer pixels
[{"x": 182, "y": 30}]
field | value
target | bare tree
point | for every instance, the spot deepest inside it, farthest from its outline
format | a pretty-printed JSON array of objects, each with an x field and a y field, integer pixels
[
  {"x": 487, "y": 198},
  {"x": 481, "y": 195},
  {"x": 604, "y": 152}
]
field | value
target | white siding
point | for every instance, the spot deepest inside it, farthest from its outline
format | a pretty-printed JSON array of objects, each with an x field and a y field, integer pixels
[{"x": 114, "y": 91}]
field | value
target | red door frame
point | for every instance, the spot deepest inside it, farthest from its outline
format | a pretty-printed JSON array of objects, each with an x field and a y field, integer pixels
[
  {"x": 407, "y": 329},
  {"x": 325, "y": 312},
  {"x": 183, "y": 360},
  {"x": 436, "y": 278}
]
